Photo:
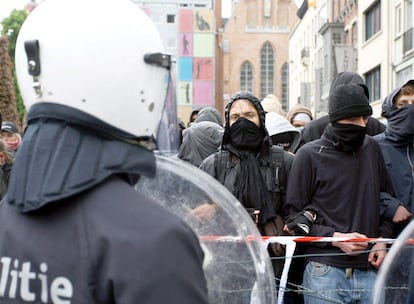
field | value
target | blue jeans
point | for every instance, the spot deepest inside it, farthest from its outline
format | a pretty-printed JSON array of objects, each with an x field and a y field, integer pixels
[{"x": 327, "y": 284}]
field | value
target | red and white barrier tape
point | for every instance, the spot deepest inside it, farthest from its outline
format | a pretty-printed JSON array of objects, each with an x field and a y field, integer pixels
[
  {"x": 290, "y": 242},
  {"x": 296, "y": 239}
]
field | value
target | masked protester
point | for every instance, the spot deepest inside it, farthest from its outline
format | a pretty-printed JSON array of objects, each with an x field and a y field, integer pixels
[
  {"x": 6, "y": 163},
  {"x": 247, "y": 164},
  {"x": 314, "y": 129},
  {"x": 10, "y": 135},
  {"x": 397, "y": 145},
  {"x": 73, "y": 229},
  {"x": 342, "y": 176},
  {"x": 282, "y": 132}
]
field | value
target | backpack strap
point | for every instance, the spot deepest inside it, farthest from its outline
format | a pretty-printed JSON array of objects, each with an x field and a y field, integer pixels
[
  {"x": 221, "y": 160},
  {"x": 279, "y": 174},
  {"x": 222, "y": 163}
]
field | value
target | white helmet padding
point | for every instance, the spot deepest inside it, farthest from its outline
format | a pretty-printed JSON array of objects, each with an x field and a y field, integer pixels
[{"x": 90, "y": 57}]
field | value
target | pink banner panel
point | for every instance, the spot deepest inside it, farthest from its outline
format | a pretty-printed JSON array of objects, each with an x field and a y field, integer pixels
[
  {"x": 203, "y": 68},
  {"x": 186, "y": 21},
  {"x": 186, "y": 44},
  {"x": 203, "y": 93}
]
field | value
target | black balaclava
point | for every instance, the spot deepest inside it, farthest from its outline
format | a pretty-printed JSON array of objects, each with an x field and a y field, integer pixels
[
  {"x": 400, "y": 125},
  {"x": 250, "y": 188},
  {"x": 246, "y": 135},
  {"x": 349, "y": 137},
  {"x": 345, "y": 101},
  {"x": 284, "y": 140}
]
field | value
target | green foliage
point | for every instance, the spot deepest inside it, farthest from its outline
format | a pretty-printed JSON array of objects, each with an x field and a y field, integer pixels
[
  {"x": 10, "y": 28},
  {"x": 19, "y": 100}
]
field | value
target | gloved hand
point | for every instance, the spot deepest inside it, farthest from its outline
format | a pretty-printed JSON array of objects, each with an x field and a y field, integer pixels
[{"x": 301, "y": 222}]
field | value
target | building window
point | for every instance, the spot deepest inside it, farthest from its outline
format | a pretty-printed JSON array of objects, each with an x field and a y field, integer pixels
[
  {"x": 346, "y": 37},
  {"x": 404, "y": 75},
  {"x": 267, "y": 59},
  {"x": 398, "y": 25},
  {"x": 354, "y": 35},
  {"x": 337, "y": 38},
  {"x": 409, "y": 29},
  {"x": 373, "y": 81},
  {"x": 373, "y": 20},
  {"x": 285, "y": 86},
  {"x": 170, "y": 18},
  {"x": 246, "y": 77},
  {"x": 409, "y": 11}
]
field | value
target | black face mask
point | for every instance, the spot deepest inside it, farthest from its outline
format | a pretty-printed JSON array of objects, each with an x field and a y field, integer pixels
[
  {"x": 284, "y": 140},
  {"x": 401, "y": 124},
  {"x": 350, "y": 137},
  {"x": 244, "y": 134}
]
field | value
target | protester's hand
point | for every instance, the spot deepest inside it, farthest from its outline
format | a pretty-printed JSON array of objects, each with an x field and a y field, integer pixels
[
  {"x": 301, "y": 222},
  {"x": 204, "y": 212},
  {"x": 286, "y": 229},
  {"x": 401, "y": 215},
  {"x": 377, "y": 255},
  {"x": 351, "y": 248}
]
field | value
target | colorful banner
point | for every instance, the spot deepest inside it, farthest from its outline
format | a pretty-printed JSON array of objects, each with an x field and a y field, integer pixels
[
  {"x": 196, "y": 58},
  {"x": 185, "y": 69},
  {"x": 203, "y": 68},
  {"x": 185, "y": 93},
  {"x": 203, "y": 93},
  {"x": 186, "y": 44}
]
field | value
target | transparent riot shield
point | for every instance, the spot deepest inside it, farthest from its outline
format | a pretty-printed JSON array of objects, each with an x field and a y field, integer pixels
[
  {"x": 395, "y": 280},
  {"x": 238, "y": 269}
]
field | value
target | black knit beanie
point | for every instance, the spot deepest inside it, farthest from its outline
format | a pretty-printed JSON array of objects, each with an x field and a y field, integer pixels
[{"x": 348, "y": 100}]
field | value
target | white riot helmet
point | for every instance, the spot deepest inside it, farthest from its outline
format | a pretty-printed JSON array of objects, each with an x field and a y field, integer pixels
[{"x": 102, "y": 57}]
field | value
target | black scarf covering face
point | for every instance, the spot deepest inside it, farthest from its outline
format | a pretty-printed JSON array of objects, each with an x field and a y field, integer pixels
[
  {"x": 400, "y": 127},
  {"x": 250, "y": 188},
  {"x": 244, "y": 134},
  {"x": 348, "y": 136}
]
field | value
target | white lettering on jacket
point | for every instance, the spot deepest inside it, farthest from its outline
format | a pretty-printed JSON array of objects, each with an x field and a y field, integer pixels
[{"x": 12, "y": 275}]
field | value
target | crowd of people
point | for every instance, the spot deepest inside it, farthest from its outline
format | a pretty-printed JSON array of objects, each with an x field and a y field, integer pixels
[
  {"x": 347, "y": 175},
  {"x": 68, "y": 181}
]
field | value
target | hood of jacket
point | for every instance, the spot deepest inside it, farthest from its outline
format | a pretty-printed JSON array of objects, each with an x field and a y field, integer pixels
[
  {"x": 256, "y": 103},
  {"x": 349, "y": 78},
  {"x": 65, "y": 152},
  {"x": 199, "y": 141},
  {"x": 209, "y": 114},
  {"x": 277, "y": 124},
  {"x": 388, "y": 104}
]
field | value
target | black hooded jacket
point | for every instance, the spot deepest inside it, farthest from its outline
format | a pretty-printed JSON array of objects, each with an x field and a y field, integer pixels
[
  {"x": 264, "y": 156},
  {"x": 345, "y": 188},
  {"x": 397, "y": 146}
]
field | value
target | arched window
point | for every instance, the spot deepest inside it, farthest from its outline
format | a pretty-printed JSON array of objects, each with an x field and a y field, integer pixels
[
  {"x": 246, "y": 77},
  {"x": 267, "y": 75}
]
